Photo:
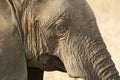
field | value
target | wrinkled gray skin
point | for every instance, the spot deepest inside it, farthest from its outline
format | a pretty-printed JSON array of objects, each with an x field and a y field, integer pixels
[
  {"x": 63, "y": 35},
  {"x": 12, "y": 58},
  {"x": 56, "y": 35}
]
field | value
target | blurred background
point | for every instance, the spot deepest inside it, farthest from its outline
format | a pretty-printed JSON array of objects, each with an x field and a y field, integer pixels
[{"x": 107, "y": 13}]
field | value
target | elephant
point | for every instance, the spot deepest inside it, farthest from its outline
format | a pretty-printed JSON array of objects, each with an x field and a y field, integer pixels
[
  {"x": 63, "y": 35},
  {"x": 49, "y": 35}
]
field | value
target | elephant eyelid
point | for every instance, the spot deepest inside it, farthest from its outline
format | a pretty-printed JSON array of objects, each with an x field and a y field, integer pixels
[
  {"x": 59, "y": 21},
  {"x": 53, "y": 23},
  {"x": 61, "y": 27}
]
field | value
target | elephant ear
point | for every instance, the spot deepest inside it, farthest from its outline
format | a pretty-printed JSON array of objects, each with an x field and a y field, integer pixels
[
  {"x": 50, "y": 63},
  {"x": 16, "y": 11}
]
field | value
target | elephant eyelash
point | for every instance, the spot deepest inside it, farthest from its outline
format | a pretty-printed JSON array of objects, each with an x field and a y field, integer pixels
[
  {"x": 53, "y": 23},
  {"x": 62, "y": 26},
  {"x": 62, "y": 21}
]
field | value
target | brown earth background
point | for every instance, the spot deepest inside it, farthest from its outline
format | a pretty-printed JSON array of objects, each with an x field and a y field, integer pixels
[{"x": 107, "y": 13}]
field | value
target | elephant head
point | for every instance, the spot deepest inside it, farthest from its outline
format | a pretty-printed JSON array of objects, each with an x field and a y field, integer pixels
[{"x": 63, "y": 35}]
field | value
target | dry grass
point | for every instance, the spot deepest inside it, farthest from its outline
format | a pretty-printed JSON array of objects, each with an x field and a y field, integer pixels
[{"x": 108, "y": 17}]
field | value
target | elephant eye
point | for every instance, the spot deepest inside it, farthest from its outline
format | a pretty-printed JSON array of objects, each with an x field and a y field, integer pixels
[{"x": 61, "y": 27}]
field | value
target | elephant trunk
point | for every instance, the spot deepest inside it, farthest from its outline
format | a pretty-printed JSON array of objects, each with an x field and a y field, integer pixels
[
  {"x": 85, "y": 56},
  {"x": 103, "y": 66}
]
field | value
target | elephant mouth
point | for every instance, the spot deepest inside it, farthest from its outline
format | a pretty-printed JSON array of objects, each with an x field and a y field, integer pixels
[
  {"x": 47, "y": 62},
  {"x": 50, "y": 63}
]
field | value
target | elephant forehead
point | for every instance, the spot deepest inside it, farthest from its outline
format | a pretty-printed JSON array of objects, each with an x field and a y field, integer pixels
[{"x": 51, "y": 10}]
